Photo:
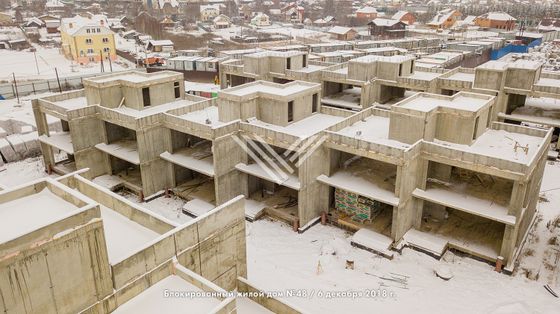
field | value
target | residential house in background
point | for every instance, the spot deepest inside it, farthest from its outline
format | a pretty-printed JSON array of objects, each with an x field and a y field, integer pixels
[
  {"x": 445, "y": 19},
  {"x": 260, "y": 19},
  {"x": 386, "y": 28},
  {"x": 54, "y": 7},
  {"x": 221, "y": 21},
  {"x": 53, "y": 26},
  {"x": 168, "y": 7},
  {"x": 115, "y": 24},
  {"x": 34, "y": 22},
  {"x": 496, "y": 20},
  {"x": 167, "y": 22},
  {"x": 164, "y": 45},
  {"x": 209, "y": 12},
  {"x": 87, "y": 39},
  {"x": 293, "y": 13},
  {"x": 52, "y": 23},
  {"x": 325, "y": 21},
  {"x": 366, "y": 14},
  {"x": 343, "y": 33},
  {"x": 405, "y": 17},
  {"x": 549, "y": 24}
]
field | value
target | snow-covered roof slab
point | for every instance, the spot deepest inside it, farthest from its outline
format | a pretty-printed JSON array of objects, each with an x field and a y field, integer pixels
[
  {"x": 424, "y": 102},
  {"x": 34, "y": 206},
  {"x": 133, "y": 77},
  {"x": 269, "y": 89}
]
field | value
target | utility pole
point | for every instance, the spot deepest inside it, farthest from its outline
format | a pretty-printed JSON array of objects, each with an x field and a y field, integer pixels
[
  {"x": 101, "y": 56},
  {"x": 15, "y": 84},
  {"x": 36, "y": 63},
  {"x": 58, "y": 80},
  {"x": 110, "y": 63}
]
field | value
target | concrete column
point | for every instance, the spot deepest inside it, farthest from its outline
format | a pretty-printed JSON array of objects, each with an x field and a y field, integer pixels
[{"x": 313, "y": 197}]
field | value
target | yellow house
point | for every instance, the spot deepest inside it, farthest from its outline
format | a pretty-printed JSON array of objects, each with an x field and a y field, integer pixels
[{"x": 87, "y": 39}]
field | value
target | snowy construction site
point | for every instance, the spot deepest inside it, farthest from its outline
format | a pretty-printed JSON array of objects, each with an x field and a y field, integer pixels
[{"x": 370, "y": 185}]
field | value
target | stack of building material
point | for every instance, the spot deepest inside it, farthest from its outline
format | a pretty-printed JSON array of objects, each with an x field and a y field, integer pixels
[
  {"x": 345, "y": 201},
  {"x": 7, "y": 151},
  {"x": 19, "y": 146},
  {"x": 354, "y": 205}
]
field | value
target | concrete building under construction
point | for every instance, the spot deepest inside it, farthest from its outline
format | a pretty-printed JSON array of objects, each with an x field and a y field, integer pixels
[
  {"x": 428, "y": 171},
  {"x": 70, "y": 246}
]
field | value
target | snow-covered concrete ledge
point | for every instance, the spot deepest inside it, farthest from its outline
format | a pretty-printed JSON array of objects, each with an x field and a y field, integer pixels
[
  {"x": 123, "y": 206},
  {"x": 145, "y": 293},
  {"x": 38, "y": 212},
  {"x": 221, "y": 229}
]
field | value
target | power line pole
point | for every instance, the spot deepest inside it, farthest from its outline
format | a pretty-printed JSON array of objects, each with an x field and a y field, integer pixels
[
  {"x": 15, "y": 85},
  {"x": 110, "y": 63},
  {"x": 101, "y": 56},
  {"x": 58, "y": 80},
  {"x": 36, "y": 63}
]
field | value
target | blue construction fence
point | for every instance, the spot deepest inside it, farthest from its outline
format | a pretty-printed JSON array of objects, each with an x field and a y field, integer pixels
[{"x": 497, "y": 54}]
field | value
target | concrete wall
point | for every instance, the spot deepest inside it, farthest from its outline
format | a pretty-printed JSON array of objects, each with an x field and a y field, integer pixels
[
  {"x": 39, "y": 270},
  {"x": 121, "y": 205},
  {"x": 488, "y": 79},
  {"x": 409, "y": 177},
  {"x": 150, "y": 146},
  {"x": 459, "y": 127},
  {"x": 408, "y": 127},
  {"x": 213, "y": 245},
  {"x": 63, "y": 275},
  {"x": 521, "y": 78},
  {"x": 312, "y": 195},
  {"x": 362, "y": 71},
  {"x": 147, "y": 280},
  {"x": 87, "y": 131},
  {"x": 227, "y": 154}
]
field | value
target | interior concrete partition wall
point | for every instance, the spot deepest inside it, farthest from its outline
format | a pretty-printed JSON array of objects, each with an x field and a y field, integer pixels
[
  {"x": 227, "y": 153},
  {"x": 313, "y": 196},
  {"x": 488, "y": 79},
  {"x": 151, "y": 143},
  {"x": 129, "y": 291},
  {"x": 168, "y": 268},
  {"x": 214, "y": 246},
  {"x": 87, "y": 131}
]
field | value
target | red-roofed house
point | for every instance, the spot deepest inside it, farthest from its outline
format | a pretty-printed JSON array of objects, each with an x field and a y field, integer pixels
[{"x": 405, "y": 17}]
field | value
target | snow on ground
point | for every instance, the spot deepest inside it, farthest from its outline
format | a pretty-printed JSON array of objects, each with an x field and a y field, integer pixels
[
  {"x": 17, "y": 173},
  {"x": 280, "y": 259},
  {"x": 23, "y": 112},
  {"x": 227, "y": 33},
  {"x": 295, "y": 32},
  {"x": 22, "y": 63},
  {"x": 127, "y": 44},
  {"x": 167, "y": 207}
]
